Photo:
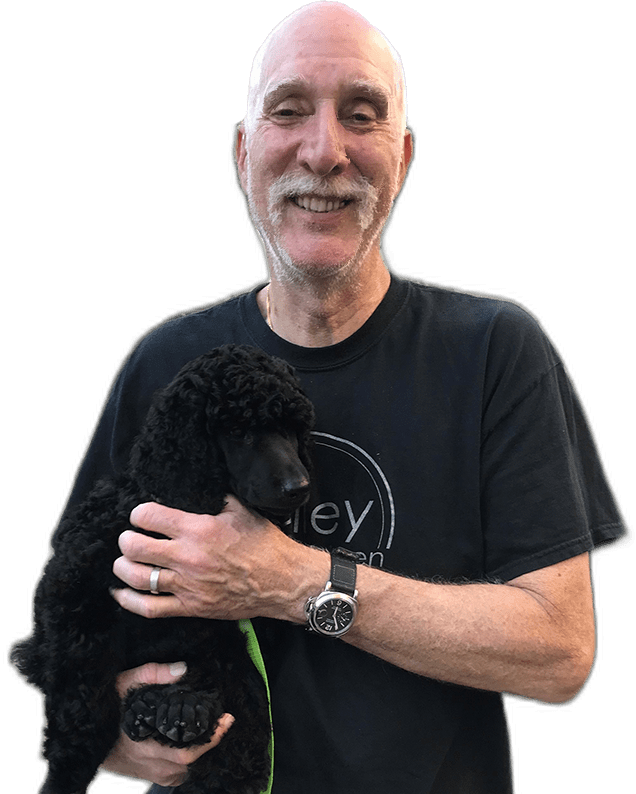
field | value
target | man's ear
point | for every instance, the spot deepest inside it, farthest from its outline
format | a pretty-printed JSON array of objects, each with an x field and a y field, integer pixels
[
  {"x": 407, "y": 155},
  {"x": 240, "y": 155}
]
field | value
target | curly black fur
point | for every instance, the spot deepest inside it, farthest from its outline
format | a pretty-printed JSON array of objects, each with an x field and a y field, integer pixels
[{"x": 233, "y": 421}]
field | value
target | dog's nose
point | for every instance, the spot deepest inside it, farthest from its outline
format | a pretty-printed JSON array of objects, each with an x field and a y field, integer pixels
[{"x": 295, "y": 491}]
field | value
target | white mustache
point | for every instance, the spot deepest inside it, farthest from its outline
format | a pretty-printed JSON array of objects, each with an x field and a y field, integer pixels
[{"x": 357, "y": 189}]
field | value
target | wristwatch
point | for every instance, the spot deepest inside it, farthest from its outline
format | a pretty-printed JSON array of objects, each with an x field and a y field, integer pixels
[{"x": 333, "y": 612}]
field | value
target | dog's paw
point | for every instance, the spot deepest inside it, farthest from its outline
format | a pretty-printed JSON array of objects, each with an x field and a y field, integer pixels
[
  {"x": 186, "y": 718},
  {"x": 140, "y": 716},
  {"x": 172, "y": 715}
]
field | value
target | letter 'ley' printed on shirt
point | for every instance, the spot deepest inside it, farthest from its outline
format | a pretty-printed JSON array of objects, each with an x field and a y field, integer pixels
[{"x": 351, "y": 504}]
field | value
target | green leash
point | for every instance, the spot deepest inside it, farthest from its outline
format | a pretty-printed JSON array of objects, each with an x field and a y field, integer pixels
[{"x": 254, "y": 650}]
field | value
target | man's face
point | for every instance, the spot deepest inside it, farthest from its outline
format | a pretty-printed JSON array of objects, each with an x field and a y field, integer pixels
[{"x": 325, "y": 151}]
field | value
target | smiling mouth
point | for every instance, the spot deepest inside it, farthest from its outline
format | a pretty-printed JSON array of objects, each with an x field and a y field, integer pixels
[{"x": 315, "y": 204}]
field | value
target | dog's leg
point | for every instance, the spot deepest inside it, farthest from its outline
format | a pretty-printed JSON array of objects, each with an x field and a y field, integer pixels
[
  {"x": 79, "y": 735},
  {"x": 79, "y": 649},
  {"x": 82, "y": 705}
]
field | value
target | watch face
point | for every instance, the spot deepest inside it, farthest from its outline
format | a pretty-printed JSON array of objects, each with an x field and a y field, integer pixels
[{"x": 334, "y": 615}]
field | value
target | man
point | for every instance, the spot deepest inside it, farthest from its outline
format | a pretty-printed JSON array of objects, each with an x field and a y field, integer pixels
[{"x": 450, "y": 449}]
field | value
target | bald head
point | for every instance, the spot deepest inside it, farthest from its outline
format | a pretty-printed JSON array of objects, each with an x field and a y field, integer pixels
[{"x": 325, "y": 27}]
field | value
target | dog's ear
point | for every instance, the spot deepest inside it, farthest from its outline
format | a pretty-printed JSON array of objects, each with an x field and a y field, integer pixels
[
  {"x": 305, "y": 419},
  {"x": 175, "y": 457}
]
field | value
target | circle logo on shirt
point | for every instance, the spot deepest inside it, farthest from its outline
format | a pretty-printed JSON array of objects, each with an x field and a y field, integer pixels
[{"x": 351, "y": 504}]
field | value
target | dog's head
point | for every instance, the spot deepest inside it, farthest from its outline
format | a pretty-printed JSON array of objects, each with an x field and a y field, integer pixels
[{"x": 234, "y": 420}]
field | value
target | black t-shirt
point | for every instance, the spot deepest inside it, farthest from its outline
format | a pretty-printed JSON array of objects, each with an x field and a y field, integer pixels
[{"x": 449, "y": 446}]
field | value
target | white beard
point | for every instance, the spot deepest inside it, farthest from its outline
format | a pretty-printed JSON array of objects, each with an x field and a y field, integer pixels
[{"x": 283, "y": 266}]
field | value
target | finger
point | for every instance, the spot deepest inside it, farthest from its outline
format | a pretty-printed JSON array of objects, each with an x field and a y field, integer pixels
[
  {"x": 141, "y": 548},
  {"x": 223, "y": 726},
  {"x": 150, "y": 673},
  {"x": 174, "y": 761},
  {"x": 148, "y": 606},
  {"x": 158, "y": 518},
  {"x": 188, "y": 755},
  {"x": 137, "y": 575}
]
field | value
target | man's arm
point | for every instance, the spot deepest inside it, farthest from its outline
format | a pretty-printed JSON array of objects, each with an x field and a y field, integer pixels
[{"x": 533, "y": 636}]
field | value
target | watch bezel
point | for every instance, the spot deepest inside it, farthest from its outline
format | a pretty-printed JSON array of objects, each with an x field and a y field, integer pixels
[{"x": 314, "y": 604}]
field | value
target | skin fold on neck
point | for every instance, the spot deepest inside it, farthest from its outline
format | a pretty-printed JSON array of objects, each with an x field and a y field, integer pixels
[{"x": 321, "y": 314}]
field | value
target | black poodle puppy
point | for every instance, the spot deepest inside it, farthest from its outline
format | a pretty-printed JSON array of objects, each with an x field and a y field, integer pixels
[{"x": 233, "y": 421}]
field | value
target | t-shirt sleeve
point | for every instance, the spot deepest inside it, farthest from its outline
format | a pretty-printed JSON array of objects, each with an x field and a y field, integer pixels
[{"x": 545, "y": 497}]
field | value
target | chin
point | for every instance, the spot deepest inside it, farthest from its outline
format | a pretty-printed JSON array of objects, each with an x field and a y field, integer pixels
[
  {"x": 319, "y": 262},
  {"x": 288, "y": 271},
  {"x": 294, "y": 269}
]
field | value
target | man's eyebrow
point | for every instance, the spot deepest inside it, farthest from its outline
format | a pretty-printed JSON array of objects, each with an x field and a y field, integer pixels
[
  {"x": 374, "y": 92},
  {"x": 285, "y": 88}
]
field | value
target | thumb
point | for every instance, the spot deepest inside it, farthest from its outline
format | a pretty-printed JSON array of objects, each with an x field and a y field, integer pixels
[{"x": 150, "y": 673}]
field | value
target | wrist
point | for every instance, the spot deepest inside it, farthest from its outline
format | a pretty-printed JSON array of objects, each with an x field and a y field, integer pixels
[
  {"x": 333, "y": 611},
  {"x": 301, "y": 574}
]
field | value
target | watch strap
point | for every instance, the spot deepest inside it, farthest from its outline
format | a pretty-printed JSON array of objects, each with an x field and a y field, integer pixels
[{"x": 343, "y": 571}]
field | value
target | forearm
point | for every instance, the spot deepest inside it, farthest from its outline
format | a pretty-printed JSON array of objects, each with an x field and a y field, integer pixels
[
  {"x": 504, "y": 637},
  {"x": 533, "y": 636},
  {"x": 496, "y": 637}
]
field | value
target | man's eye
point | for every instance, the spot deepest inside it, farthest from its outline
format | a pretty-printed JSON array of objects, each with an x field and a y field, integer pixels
[
  {"x": 361, "y": 114},
  {"x": 359, "y": 120},
  {"x": 286, "y": 112}
]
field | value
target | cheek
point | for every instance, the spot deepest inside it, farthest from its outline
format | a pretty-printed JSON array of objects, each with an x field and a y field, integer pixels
[
  {"x": 379, "y": 164},
  {"x": 260, "y": 174},
  {"x": 270, "y": 152}
]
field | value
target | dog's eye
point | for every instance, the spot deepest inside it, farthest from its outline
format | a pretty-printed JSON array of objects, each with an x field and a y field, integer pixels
[{"x": 291, "y": 436}]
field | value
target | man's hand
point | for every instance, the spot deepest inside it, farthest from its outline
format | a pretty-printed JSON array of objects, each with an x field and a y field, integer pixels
[
  {"x": 149, "y": 760},
  {"x": 230, "y": 566}
]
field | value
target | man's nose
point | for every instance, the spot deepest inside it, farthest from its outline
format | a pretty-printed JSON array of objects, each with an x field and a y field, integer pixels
[{"x": 322, "y": 150}]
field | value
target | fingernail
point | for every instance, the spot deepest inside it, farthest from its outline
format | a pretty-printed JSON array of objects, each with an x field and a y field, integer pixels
[
  {"x": 178, "y": 668},
  {"x": 226, "y": 721}
]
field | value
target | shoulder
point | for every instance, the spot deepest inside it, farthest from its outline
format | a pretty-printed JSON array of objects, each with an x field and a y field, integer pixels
[
  {"x": 206, "y": 326},
  {"x": 153, "y": 362},
  {"x": 466, "y": 308},
  {"x": 159, "y": 354},
  {"x": 497, "y": 327}
]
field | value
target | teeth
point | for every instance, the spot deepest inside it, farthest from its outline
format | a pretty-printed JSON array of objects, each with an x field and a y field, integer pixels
[{"x": 314, "y": 204}]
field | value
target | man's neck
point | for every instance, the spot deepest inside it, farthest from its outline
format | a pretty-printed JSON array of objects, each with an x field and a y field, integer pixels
[{"x": 321, "y": 313}]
